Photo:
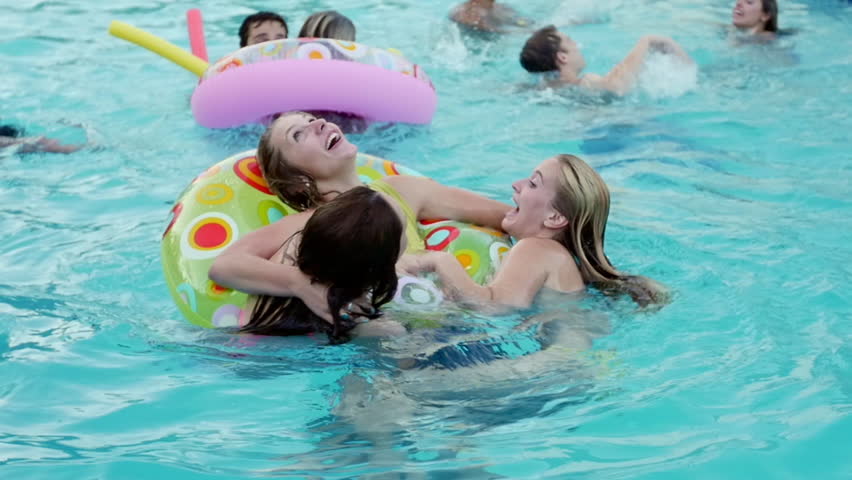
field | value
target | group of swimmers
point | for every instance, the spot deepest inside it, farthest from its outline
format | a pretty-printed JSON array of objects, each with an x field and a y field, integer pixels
[
  {"x": 331, "y": 267},
  {"x": 265, "y": 26},
  {"x": 334, "y": 265}
]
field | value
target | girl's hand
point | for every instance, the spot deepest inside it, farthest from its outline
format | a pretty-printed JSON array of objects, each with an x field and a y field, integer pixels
[{"x": 414, "y": 264}]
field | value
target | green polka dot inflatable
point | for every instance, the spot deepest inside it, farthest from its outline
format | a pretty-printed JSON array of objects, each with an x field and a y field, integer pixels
[{"x": 232, "y": 198}]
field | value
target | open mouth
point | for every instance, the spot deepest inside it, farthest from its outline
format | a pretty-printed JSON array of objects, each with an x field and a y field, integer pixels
[
  {"x": 332, "y": 141},
  {"x": 513, "y": 212}
]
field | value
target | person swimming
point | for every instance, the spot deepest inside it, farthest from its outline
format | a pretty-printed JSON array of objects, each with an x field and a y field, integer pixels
[
  {"x": 328, "y": 24},
  {"x": 487, "y": 16},
  {"x": 560, "y": 225},
  {"x": 549, "y": 50},
  {"x": 262, "y": 27},
  {"x": 756, "y": 17},
  {"x": 12, "y": 136}
]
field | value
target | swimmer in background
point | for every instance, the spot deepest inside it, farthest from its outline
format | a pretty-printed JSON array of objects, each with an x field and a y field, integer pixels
[
  {"x": 332, "y": 24},
  {"x": 758, "y": 18},
  {"x": 488, "y": 16},
  {"x": 328, "y": 24},
  {"x": 262, "y": 27},
  {"x": 10, "y": 136},
  {"x": 560, "y": 225},
  {"x": 549, "y": 50}
]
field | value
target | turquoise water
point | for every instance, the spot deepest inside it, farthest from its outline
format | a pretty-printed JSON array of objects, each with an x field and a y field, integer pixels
[{"x": 732, "y": 187}]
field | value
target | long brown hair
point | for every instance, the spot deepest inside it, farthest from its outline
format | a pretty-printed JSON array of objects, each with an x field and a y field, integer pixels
[
  {"x": 770, "y": 7},
  {"x": 351, "y": 244},
  {"x": 294, "y": 186},
  {"x": 583, "y": 198}
]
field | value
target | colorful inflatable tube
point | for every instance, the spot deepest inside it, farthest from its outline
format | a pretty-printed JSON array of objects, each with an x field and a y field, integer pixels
[
  {"x": 313, "y": 74},
  {"x": 231, "y": 199}
]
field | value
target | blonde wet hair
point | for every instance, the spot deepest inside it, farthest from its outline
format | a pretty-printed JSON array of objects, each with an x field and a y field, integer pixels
[{"x": 582, "y": 197}]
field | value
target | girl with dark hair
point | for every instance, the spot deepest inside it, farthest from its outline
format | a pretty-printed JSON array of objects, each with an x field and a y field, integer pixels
[
  {"x": 10, "y": 136},
  {"x": 350, "y": 245},
  {"x": 756, "y": 17},
  {"x": 307, "y": 162},
  {"x": 559, "y": 225},
  {"x": 550, "y": 51}
]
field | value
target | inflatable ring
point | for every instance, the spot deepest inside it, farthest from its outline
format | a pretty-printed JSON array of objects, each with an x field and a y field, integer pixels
[
  {"x": 313, "y": 74},
  {"x": 232, "y": 198}
]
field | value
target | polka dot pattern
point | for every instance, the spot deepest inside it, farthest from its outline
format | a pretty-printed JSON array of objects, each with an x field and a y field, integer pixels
[
  {"x": 232, "y": 198},
  {"x": 350, "y": 49},
  {"x": 248, "y": 170},
  {"x": 208, "y": 235},
  {"x": 441, "y": 237},
  {"x": 417, "y": 292},
  {"x": 227, "y": 316},
  {"x": 215, "y": 194},
  {"x": 313, "y": 51},
  {"x": 175, "y": 214}
]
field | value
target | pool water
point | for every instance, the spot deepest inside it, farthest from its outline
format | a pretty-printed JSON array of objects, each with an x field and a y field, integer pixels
[{"x": 730, "y": 185}]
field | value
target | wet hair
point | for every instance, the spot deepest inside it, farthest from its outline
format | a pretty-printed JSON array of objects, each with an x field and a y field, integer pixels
[
  {"x": 328, "y": 24},
  {"x": 770, "y": 7},
  {"x": 292, "y": 185},
  {"x": 351, "y": 244},
  {"x": 583, "y": 198},
  {"x": 9, "y": 131},
  {"x": 255, "y": 20},
  {"x": 539, "y": 52}
]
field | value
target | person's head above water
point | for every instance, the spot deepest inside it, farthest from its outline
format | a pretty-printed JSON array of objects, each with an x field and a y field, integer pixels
[
  {"x": 549, "y": 50},
  {"x": 262, "y": 27},
  {"x": 298, "y": 151},
  {"x": 328, "y": 24},
  {"x": 566, "y": 200},
  {"x": 350, "y": 244},
  {"x": 756, "y": 16}
]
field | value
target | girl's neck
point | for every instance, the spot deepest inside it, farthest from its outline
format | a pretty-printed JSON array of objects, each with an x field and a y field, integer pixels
[
  {"x": 570, "y": 77},
  {"x": 330, "y": 189}
]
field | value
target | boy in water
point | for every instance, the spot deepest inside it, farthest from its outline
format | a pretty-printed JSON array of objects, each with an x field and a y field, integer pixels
[{"x": 262, "y": 27}]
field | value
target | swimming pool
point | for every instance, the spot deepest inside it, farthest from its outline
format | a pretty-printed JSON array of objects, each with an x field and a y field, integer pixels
[{"x": 736, "y": 194}]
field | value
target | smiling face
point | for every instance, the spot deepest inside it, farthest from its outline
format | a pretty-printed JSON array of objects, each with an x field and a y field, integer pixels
[
  {"x": 749, "y": 14},
  {"x": 535, "y": 215},
  {"x": 313, "y": 145},
  {"x": 266, "y": 31}
]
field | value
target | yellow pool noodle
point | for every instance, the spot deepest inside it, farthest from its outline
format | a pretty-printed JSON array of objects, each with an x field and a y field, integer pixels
[{"x": 159, "y": 46}]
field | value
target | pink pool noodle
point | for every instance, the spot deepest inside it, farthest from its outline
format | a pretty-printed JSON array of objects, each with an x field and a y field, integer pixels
[{"x": 195, "y": 24}]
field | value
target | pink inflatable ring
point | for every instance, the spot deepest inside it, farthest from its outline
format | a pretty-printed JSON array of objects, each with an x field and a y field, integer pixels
[{"x": 313, "y": 74}]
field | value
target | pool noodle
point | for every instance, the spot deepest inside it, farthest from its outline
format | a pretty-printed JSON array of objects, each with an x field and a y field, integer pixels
[
  {"x": 195, "y": 25},
  {"x": 159, "y": 46}
]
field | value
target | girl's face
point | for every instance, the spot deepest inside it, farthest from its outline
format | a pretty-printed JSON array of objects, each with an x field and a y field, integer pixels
[
  {"x": 749, "y": 14},
  {"x": 313, "y": 145},
  {"x": 533, "y": 196}
]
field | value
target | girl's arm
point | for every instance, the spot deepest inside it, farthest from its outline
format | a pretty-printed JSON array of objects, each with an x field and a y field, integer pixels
[
  {"x": 246, "y": 266},
  {"x": 430, "y": 200},
  {"x": 523, "y": 273},
  {"x": 624, "y": 75}
]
